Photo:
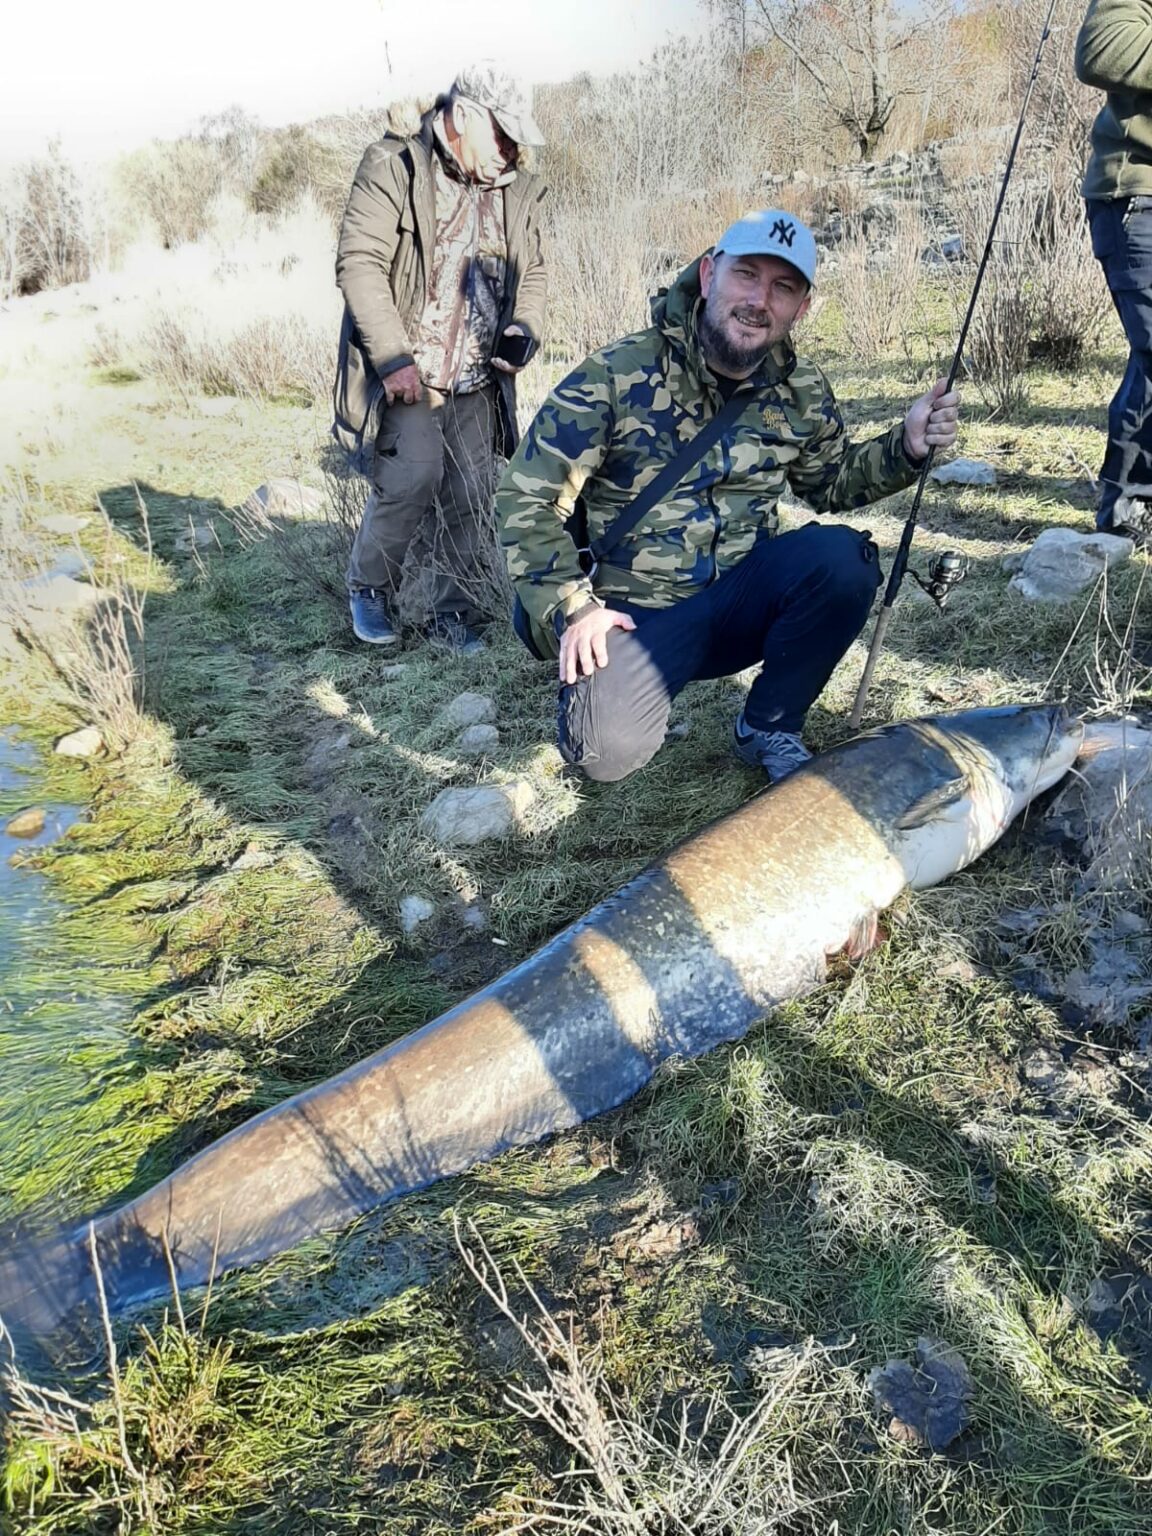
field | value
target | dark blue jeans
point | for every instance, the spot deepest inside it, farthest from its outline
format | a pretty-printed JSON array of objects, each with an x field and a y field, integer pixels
[
  {"x": 1122, "y": 240},
  {"x": 794, "y": 603}
]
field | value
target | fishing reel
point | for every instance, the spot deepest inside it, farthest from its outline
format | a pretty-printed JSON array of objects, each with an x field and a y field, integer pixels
[{"x": 948, "y": 570}]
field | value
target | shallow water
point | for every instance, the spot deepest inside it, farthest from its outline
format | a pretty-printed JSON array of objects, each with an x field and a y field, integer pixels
[{"x": 63, "y": 1039}]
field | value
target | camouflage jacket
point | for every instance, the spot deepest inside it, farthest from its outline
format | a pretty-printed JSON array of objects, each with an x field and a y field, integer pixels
[{"x": 618, "y": 418}]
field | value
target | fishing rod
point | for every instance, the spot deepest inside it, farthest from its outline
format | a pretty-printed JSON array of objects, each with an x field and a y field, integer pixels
[{"x": 949, "y": 568}]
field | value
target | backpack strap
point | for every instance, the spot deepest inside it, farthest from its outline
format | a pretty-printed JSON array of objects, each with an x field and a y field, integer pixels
[{"x": 667, "y": 480}]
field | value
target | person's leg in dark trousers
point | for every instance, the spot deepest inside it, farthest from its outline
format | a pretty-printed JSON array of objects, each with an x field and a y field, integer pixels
[
  {"x": 468, "y": 429},
  {"x": 1122, "y": 241},
  {"x": 794, "y": 603},
  {"x": 407, "y": 470}
]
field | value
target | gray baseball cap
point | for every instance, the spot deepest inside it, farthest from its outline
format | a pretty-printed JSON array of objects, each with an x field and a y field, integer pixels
[
  {"x": 771, "y": 232},
  {"x": 508, "y": 99}
]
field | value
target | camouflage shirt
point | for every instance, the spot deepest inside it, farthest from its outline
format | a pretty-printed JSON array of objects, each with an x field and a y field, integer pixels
[
  {"x": 466, "y": 274},
  {"x": 608, "y": 428}
]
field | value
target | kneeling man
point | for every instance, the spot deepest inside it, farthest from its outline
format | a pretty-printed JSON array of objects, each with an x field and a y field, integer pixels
[{"x": 698, "y": 586}]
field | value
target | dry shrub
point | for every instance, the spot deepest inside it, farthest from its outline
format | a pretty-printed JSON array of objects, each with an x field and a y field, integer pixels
[
  {"x": 998, "y": 348},
  {"x": 601, "y": 275},
  {"x": 1071, "y": 300},
  {"x": 879, "y": 284},
  {"x": 685, "y": 1466},
  {"x": 273, "y": 357},
  {"x": 312, "y": 550},
  {"x": 96, "y": 659},
  {"x": 173, "y": 186},
  {"x": 48, "y": 227}
]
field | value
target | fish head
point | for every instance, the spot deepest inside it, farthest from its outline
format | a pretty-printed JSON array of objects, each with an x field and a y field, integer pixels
[
  {"x": 1021, "y": 750},
  {"x": 979, "y": 769}
]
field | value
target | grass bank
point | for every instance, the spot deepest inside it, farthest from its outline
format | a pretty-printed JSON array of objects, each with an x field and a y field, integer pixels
[{"x": 729, "y": 1255}]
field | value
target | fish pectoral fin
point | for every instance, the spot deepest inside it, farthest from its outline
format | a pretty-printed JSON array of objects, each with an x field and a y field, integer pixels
[
  {"x": 939, "y": 804},
  {"x": 865, "y": 935}
]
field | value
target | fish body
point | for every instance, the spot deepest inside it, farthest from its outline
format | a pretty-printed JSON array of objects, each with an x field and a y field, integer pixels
[{"x": 698, "y": 947}]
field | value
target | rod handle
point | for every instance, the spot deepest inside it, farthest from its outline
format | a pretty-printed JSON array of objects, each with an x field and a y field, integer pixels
[{"x": 883, "y": 619}]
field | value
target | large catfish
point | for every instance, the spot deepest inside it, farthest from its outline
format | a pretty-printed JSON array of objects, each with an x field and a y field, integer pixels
[{"x": 689, "y": 954}]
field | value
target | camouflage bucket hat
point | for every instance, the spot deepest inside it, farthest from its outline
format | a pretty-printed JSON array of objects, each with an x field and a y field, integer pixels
[{"x": 508, "y": 99}]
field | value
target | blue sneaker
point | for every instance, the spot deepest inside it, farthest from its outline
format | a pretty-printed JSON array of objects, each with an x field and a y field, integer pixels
[
  {"x": 370, "y": 621},
  {"x": 449, "y": 631},
  {"x": 779, "y": 753}
]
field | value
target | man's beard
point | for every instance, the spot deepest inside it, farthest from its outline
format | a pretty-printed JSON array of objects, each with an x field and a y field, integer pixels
[{"x": 718, "y": 347}]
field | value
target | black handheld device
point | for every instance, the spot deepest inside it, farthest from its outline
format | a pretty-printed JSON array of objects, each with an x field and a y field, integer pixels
[{"x": 515, "y": 350}]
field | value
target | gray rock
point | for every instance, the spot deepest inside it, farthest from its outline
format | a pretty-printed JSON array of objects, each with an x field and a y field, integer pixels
[
  {"x": 63, "y": 523},
  {"x": 460, "y": 818},
  {"x": 29, "y": 823},
  {"x": 283, "y": 497},
  {"x": 925, "y": 1403},
  {"x": 1062, "y": 563},
  {"x": 466, "y": 709},
  {"x": 964, "y": 472},
  {"x": 253, "y": 857},
  {"x": 1013, "y": 561},
  {"x": 86, "y": 742},
  {"x": 70, "y": 562},
  {"x": 477, "y": 740},
  {"x": 199, "y": 536},
  {"x": 415, "y": 910},
  {"x": 1107, "y": 808},
  {"x": 52, "y": 596}
]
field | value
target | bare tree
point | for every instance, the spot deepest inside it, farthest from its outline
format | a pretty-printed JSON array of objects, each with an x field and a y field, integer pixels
[{"x": 851, "y": 51}]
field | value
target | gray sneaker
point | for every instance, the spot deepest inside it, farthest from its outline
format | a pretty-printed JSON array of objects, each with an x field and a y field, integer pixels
[
  {"x": 370, "y": 621},
  {"x": 779, "y": 753},
  {"x": 451, "y": 633},
  {"x": 1131, "y": 519}
]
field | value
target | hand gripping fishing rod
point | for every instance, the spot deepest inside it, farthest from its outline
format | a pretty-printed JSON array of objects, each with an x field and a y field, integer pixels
[{"x": 949, "y": 568}]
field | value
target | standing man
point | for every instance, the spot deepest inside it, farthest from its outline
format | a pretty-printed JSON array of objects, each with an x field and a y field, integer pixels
[
  {"x": 699, "y": 587},
  {"x": 440, "y": 266},
  {"x": 1114, "y": 54}
]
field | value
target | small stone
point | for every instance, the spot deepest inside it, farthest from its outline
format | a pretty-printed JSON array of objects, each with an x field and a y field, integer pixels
[
  {"x": 29, "y": 823},
  {"x": 464, "y": 817},
  {"x": 964, "y": 472},
  {"x": 477, "y": 740},
  {"x": 1062, "y": 563},
  {"x": 415, "y": 910},
  {"x": 216, "y": 405},
  {"x": 63, "y": 523},
  {"x": 253, "y": 857},
  {"x": 86, "y": 742},
  {"x": 197, "y": 537},
  {"x": 284, "y": 497},
  {"x": 466, "y": 709}
]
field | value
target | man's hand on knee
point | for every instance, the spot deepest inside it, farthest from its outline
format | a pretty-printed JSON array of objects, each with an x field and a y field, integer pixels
[
  {"x": 402, "y": 386},
  {"x": 584, "y": 644}
]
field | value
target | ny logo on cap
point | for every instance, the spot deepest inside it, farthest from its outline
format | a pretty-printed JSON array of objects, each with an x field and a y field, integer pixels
[{"x": 784, "y": 232}]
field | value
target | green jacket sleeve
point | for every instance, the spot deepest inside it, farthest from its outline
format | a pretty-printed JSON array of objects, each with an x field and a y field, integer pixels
[
  {"x": 566, "y": 443},
  {"x": 532, "y": 290},
  {"x": 1114, "y": 47},
  {"x": 364, "y": 253},
  {"x": 836, "y": 475}
]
